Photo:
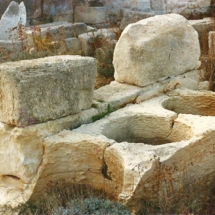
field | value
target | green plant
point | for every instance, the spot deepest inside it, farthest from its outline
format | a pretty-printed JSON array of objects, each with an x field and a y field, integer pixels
[
  {"x": 63, "y": 198},
  {"x": 102, "y": 115},
  {"x": 93, "y": 206}
]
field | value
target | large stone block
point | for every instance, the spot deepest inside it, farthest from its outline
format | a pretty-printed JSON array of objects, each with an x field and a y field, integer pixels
[
  {"x": 156, "y": 48},
  {"x": 148, "y": 139},
  {"x": 38, "y": 90},
  {"x": 12, "y": 17},
  {"x": 56, "y": 31},
  {"x": 90, "y": 15},
  {"x": 203, "y": 27},
  {"x": 22, "y": 151},
  {"x": 130, "y": 16}
]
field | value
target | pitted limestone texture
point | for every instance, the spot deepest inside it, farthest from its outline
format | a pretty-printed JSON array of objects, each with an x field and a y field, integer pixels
[
  {"x": 154, "y": 49},
  {"x": 90, "y": 154},
  {"x": 35, "y": 91},
  {"x": 21, "y": 155},
  {"x": 138, "y": 168},
  {"x": 191, "y": 102}
]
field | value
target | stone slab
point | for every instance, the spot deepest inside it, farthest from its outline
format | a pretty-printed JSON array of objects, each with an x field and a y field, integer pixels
[
  {"x": 34, "y": 91},
  {"x": 57, "y": 31},
  {"x": 90, "y": 15}
]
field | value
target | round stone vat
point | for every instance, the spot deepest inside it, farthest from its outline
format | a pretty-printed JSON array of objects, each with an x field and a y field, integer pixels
[
  {"x": 147, "y": 129},
  {"x": 195, "y": 103}
]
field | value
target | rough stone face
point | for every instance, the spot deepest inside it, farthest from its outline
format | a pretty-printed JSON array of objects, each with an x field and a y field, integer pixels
[
  {"x": 38, "y": 90},
  {"x": 9, "y": 20},
  {"x": 203, "y": 27},
  {"x": 149, "y": 140},
  {"x": 130, "y": 16},
  {"x": 90, "y": 15},
  {"x": 18, "y": 178},
  {"x": 73, "y": 46},
  {"x": 23, "y": 15},
  {"x": 127, "y": 154},
  {"x": 74, "y": 156},
  {"x": 57, "y": 31},
  {"x": 156, "y": 48},
  {"x": 204, "y": 3},
  {"x": 88, "y": 39}
]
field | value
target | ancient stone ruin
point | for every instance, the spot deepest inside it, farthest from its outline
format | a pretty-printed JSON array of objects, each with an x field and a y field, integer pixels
[{"x": 159, "y": 121}]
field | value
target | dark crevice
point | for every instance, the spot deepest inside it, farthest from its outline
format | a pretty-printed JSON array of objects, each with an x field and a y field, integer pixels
[
  {"x": 12, "y": 176},
  {"x": 105, "y": 172}
]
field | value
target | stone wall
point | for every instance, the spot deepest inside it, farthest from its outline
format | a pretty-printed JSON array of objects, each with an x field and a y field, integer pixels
[{"x": 65, "y": 9}]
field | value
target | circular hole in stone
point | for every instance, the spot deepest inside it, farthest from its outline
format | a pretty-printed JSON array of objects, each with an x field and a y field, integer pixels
[
  {"x": 146, "y": 129},
  {"x": 203, "y": 105}
]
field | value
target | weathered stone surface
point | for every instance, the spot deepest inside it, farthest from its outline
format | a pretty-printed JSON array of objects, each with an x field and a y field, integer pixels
[
  {"x": 189, "y": 80},
  {"x": 10, "y": 50},
  {"x": 144, "y": 5},
  {"x": 57, "y": 31},
  {"x": 204, "y": 3},
  {"x": 158, "y": 5},
  {"x": 156, "y": 48},
  {"x": 147, "y": 143},
  {"x": 38, "y": 90},
  {"x": 67, "y": 16},
  {"x": 75, "y": 157},
  {"x": 211, "y": 41},
  {"x": 118, "y": 95},
  {"x": 130, "y": 16},
  {"x": 70, "y": 46},
  {"x": 23, "y": 15},
  {"x": 19, "y": 167},
  {"x": 191, "y": 102},
  {"x": 127, "y": 153},
  {"x": 88, "y": 40},
  {"x": 203, "y": 27},
  {"x": 90, "y": 15},
  {"x": 9, "y": 20}
]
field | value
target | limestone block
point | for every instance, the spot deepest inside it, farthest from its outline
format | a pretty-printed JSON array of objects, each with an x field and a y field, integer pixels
[
  {"x": 204, "y": 85},
  {"x": 203, "y": 27},
  {"x": 192, "y": 5},
  {"x": 72, "y": 46},
  {"x": 149, "y": 140},
  {"x": 57, "y": 31},
  {"x": 147, "y": 51},
  {"x": 19, "y": 166},
  {"x": 75, "y": 157},
  {"x": 38, "y": 90},
  {"x": 130, "y": 16},
  {"x": 117, "y": 94},
  {"x": 89, "y": 39},
  {"x": 9, "y": 20},
  {"x": 23, "y": 15},
  {"x": 66, "y": 16},
  {"x": 204, "y": 3},
  {"x": 157, "y": 5},
  {"x": 191, "y": 102},
  {"x": 143, "y": 5},
  {"x": 90, "y": 15},
  {"x": 211, "y": 42},
  {"x": 10, "y": 50}
]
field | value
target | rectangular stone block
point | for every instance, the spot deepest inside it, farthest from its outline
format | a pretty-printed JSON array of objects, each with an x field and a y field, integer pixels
[
  {"x": 90, "y": 15},
  {"x": 57, "y": 31},
  {"x": 211, "y": 39},
  {"x": 35, "y": 91}
]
